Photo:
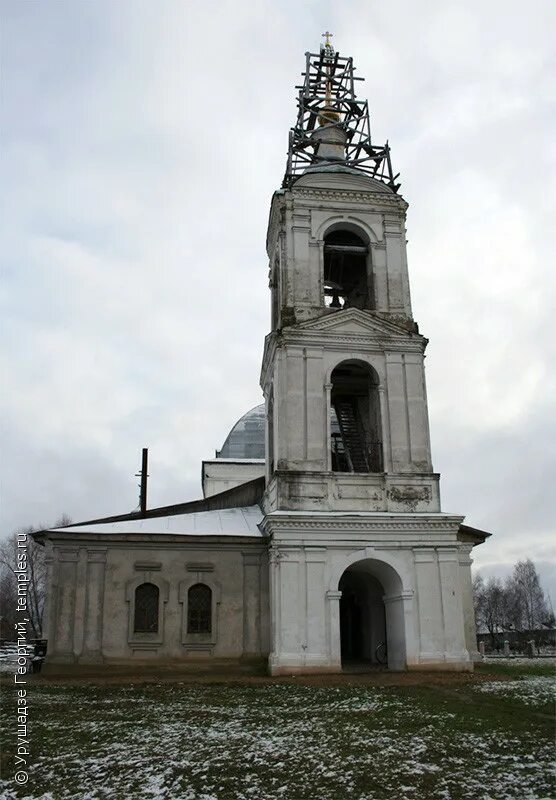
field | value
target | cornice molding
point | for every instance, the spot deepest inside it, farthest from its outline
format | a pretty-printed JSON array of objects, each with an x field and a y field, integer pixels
[
  {"x": 354, "y": 524},
  {"x": 354, "y": 342},
  {"x": 375, "y": 343},
  {"x": 371, "y": 199},
  {"x": 374, "y": 322},
  {"x": 157, "y": 541},
  {"x": 330, "y": 341}
]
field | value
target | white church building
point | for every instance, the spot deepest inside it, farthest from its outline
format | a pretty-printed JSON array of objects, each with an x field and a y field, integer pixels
[{"x": 320, "y": 542}]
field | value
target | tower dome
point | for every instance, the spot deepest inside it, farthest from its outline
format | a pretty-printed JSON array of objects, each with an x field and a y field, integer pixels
[{"x": 247, "y": 437}]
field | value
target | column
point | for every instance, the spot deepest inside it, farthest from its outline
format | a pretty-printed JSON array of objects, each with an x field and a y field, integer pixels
[
  {"x": 333, "y": 613},
  {"x": 94, "y": 607},
  {"x": 274, "y": 604},
  {"x": 49, "y": 613},
  {"x": 400, "y": 635},
  {"x": 466, "y": 585},
  {"x": 380, "y": 277},
  {"x": 452, "y": 609},
  {"x": 289, "y": 611},
  {"x": 397, "y": 407},
  {"x": 292, "y": 612},
  {"x": 394, "y": 260},
  {"x": 251, "y": 604},
  {"x": 264, "y": 624},
  {"x": 431, "y": 627},
  {"x": 385, "y": 433},
  {"x": 417, "y": 412},
  {"x": 295, "y": 408},
  {"x": 327, "y": 427},
  {"x": 314, "y": 409},
  {"x": 316, "y": 652},
  {"x": 63, "y": 624},
  {"x": 80, "y": 601}
]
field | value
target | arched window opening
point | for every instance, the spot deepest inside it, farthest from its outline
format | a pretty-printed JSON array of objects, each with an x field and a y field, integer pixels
[
  {"x": 146, "y": 608},
  {"x": 356, "y": 430},
  {"x": 346, "y": 283},
  {"x": 199, "y": 609}
]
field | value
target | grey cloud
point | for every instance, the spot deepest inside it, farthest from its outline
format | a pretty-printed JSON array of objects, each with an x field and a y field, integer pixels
[{"x": 142, "y": 147}]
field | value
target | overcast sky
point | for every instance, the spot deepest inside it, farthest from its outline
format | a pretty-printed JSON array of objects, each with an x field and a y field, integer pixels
[{"x": 141, "y": 144}]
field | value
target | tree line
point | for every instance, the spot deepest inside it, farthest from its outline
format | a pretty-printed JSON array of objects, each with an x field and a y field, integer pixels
[{"x": 517, "y": 604}]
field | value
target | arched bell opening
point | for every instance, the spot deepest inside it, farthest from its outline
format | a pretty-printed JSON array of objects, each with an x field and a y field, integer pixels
[
  {"x": 356, "y": 428},
  {"x": 371, "y": 616},
  {"x": 346, "y": 273}
]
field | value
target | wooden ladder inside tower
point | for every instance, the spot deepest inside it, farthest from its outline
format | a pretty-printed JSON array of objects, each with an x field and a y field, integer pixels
[{"x": 352, "y": 435}]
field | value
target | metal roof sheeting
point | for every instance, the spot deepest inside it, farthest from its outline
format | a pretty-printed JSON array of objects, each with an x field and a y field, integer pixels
[{"x": 224, "y": 522}]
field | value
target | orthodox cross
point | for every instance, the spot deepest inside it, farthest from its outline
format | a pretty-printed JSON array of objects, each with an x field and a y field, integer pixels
[{"x": 328, "y": 37}]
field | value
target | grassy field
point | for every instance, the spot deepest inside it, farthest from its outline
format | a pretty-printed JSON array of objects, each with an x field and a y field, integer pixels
[{"x": 451, "y": 738}]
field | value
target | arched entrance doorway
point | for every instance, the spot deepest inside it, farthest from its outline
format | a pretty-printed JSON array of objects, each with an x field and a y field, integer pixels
[
  {"x": 362, "y": 618},
  {"x": 371, "y": 615}
]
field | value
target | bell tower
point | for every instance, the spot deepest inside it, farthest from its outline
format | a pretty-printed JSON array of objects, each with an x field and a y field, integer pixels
[
  {"x": 343, "y": 369},
  {"x": 349, "y": 476}
]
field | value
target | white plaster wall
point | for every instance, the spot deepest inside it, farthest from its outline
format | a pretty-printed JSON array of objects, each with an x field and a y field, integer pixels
[
  {"x": 424, "y": 605},
  {"x": 91, "y": 586},
  {"x": 220, "y": 474}
]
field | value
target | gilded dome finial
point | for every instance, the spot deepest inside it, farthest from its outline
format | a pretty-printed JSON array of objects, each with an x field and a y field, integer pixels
[{"x": 328, "y": 115}]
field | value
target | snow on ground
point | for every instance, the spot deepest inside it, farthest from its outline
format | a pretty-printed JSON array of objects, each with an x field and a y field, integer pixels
[
  {"x": 532, "y": 690},
  {"x": 272, "y": 742},
  {"x": 522, "y": 661}
]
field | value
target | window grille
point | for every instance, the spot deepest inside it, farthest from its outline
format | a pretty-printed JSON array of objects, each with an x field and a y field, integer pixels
[
  {"x": 199, "y": 609},
  {"x": 146, "y": 608}
]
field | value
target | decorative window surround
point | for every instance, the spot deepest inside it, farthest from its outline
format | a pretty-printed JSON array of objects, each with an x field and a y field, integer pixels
[
  {"x": 200, "y": 641},
  {"x": 146, "y": 639}
]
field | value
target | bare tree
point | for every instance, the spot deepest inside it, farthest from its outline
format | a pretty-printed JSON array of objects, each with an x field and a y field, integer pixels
[
  {"x": 493, "y": 607},
  {"x": 8, "y": 603},
  {"x": 517, "y": 605},
  {"x": 527, "y": 609},
  {"x": 33, "y": 568},
  {"x": 478, "y": 599}
]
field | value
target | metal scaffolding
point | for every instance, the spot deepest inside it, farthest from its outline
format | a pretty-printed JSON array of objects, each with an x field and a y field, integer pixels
[{"x": 327, "y": 100}]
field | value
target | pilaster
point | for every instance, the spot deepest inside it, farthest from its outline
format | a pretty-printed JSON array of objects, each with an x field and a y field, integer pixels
[
  {"x": 431, "y": 627},
  {"x": 452, "y": 607},
  {"x": 61, "y": 648},
  {"x": 466, "y": 588},
  {"x": 251, "y": 603},
  {"x": 92, "y": 646}
]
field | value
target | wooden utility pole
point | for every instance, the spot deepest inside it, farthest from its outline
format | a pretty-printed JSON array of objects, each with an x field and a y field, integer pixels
[{"x": 143, "y": 485}]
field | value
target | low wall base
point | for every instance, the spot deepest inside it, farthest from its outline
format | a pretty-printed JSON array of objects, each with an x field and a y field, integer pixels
[
  {"x": 441, "y": 666},
  {"x": 137, "y": 668}
]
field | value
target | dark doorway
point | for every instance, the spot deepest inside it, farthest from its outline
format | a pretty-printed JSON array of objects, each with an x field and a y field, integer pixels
[
  {"x": 350, "y": 625},
  {"x": 362, "y": 618}
]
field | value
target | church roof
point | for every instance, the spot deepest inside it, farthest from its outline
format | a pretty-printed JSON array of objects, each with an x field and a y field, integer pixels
[
  {"x": 246, "y": 495},
  {"x": 219, "y": 522},
  {"x": 247, "y": 437}
]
